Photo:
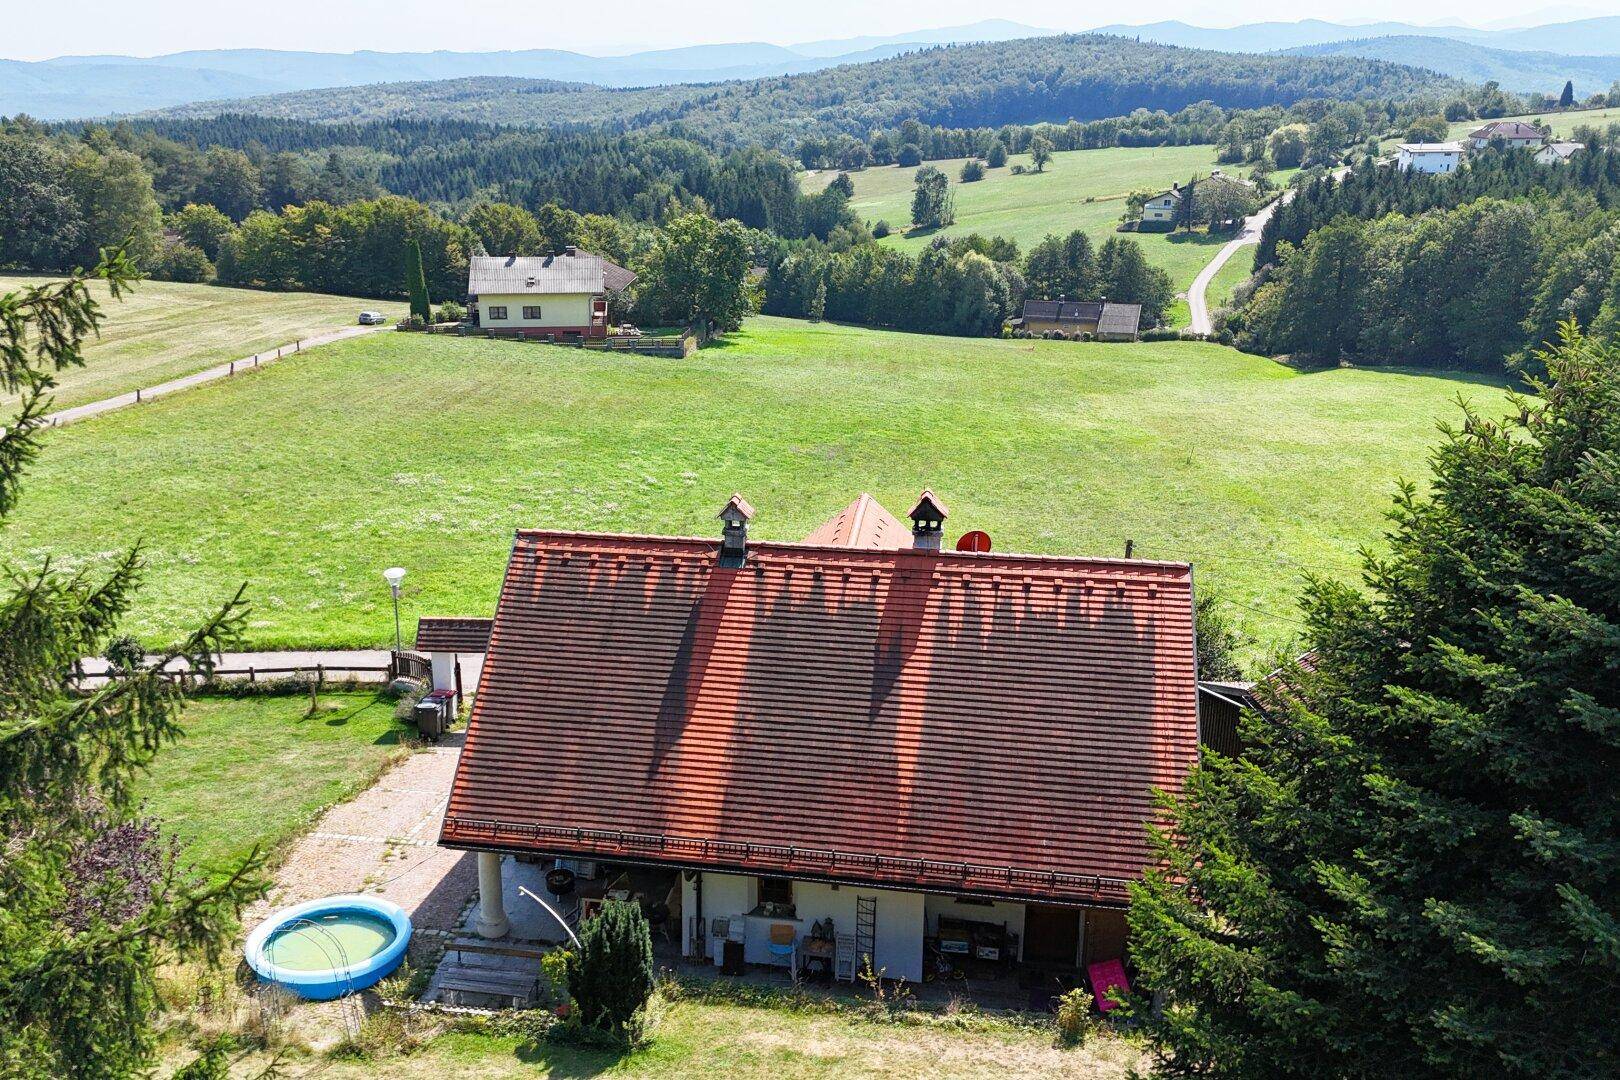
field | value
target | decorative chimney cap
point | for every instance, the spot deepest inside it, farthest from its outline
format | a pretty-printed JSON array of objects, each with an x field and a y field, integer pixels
[
  {"x": 928, "y": 508},
  {"x": 737, "y": 511}
]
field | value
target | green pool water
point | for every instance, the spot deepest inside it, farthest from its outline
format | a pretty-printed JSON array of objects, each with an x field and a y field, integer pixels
[{"x": 330, "y": 940}]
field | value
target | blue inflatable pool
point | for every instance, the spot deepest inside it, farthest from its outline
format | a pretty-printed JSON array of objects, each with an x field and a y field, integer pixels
[{"x": 327, "y": 948}]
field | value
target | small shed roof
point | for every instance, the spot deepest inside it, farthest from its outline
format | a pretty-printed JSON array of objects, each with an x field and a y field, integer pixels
[
  {"x": 452, "y": 635},
  {"x": 1120, "y": 319}
]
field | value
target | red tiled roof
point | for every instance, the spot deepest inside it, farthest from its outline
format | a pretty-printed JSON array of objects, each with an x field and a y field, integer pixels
[
  {"x": 435, "y": 634},
  {"x": 971, "y": 723},
  {"x": 864, "y": 523}
]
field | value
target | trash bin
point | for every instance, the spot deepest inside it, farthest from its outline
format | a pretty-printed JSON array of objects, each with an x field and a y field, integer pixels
[{"x": 429, "y": 713}]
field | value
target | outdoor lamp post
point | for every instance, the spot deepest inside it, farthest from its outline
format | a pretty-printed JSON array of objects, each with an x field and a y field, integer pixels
[{"x": 394, "y": 575}]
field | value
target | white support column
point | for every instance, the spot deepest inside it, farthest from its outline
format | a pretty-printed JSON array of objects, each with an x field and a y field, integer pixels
[{"x": 491, "y": 904}]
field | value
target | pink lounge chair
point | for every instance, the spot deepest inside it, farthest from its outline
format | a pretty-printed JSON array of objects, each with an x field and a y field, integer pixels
[{"x": 1105, "y": 975}]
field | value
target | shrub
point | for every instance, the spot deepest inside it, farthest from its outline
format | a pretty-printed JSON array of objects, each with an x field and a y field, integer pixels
[
  {"x": 880, "y": 230},
  {"x": 1018, "y": 170},
  {"x": 415, "y": 322},
  {"x": 125, "y": 653},
  {"x": 1155, "y": 226},
  {"x": 972, "y": 171},
  {"x": 1074, "y": 1017},
  {"x": 610, "y": 976},
  {"x": 1161, "y": 333},
  {"x": 183, "y": 262},
  {"x": 450, "y": 311},
  {"x": 997, "y": 157}
]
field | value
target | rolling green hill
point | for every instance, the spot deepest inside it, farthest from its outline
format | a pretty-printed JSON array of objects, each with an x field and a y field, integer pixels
[
  {"x": 1054, "y": 78},
  {"x": 307, "y": 478},
  {"x": 1080, "y": 189}
]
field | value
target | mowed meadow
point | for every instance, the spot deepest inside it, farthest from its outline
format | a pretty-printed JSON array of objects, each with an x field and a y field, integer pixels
[
  {"x": 161, "y": 330},
  {"x": 1080, "y": 189},
  {"x": 306, "y": 479}
]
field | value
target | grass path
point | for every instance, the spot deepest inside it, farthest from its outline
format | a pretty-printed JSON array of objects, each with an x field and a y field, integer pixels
[
  {"x": 307, "y": 478},
  {"x": 1080, "y": 189},
  {"x": 163, "y": 330}
]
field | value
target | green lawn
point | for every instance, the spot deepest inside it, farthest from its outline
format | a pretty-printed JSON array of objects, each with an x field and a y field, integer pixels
[
  {"x": 257, "y": 770},
  {"x": 308, "y": 478},
  {"x": 695, "y": 1038},
  {"x": 1080, "y": 189},
  {"x": 1234, "y": 273},
  {"x": 164, "y": 330}
]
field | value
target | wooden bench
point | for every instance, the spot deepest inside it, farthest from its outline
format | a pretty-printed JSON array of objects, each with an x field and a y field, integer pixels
[{"x": 519, "y": 987}]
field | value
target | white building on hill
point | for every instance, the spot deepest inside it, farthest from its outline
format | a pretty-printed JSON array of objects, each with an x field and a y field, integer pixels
[{"x": 1429, "y": 157}]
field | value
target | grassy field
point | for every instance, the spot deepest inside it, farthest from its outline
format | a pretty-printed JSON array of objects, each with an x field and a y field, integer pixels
[
  {"x": 257, "y": 770},
  {"x": 306, "y": 479},
  {"x": 164, "y": 330},
  {"x": 1234, "y": 273},
  {"x": 1080, "y": 189}
]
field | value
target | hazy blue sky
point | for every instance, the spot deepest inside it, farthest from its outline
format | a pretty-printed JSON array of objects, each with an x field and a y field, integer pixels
[{"x": 42, "y": 28}]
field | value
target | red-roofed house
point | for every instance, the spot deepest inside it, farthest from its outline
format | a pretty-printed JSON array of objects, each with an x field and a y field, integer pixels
[{"x": 908, "y": 741}]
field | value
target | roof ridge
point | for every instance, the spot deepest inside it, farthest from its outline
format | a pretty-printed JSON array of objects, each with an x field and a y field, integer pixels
[{"x": 876, "y": 554}]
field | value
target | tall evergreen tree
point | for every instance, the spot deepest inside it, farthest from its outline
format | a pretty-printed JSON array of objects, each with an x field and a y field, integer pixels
[
  {"x": 416, "y": 280},
  {"x": 1414, "y": 868},
  {"x": 1567, "y": 98},
  {"x": 91, "y": 901}
]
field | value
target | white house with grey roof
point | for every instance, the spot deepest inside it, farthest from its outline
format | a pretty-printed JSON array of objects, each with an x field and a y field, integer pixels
[
  {"x": 563, "y": 295},
  {"x": 1443, "y": 157}
]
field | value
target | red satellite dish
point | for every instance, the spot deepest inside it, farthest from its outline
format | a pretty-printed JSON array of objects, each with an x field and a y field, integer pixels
[{"x": 974, "y": 541}]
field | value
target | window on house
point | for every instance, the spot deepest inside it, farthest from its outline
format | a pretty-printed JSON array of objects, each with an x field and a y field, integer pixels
[
  {"x": 497, "y": 312},
  {"x": 531, "y": 311},
  {"x": 775, "y": 890}
]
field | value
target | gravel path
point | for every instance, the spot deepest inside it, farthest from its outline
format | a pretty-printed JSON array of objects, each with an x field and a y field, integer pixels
[
  {"x": 384, "y": 842},
  {"x": 197, "y": 378}
]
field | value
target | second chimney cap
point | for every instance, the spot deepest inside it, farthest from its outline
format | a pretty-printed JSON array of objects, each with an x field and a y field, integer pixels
[
  {"x": 928, "y": 508},
  {"x": 737, "y": 507}
]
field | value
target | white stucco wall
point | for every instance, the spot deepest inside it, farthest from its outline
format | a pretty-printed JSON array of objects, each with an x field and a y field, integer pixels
[
  {"x": 1429, "y": 163},
  {"x": 897, "y": 946},
  {"x": 556, "y": 309}
]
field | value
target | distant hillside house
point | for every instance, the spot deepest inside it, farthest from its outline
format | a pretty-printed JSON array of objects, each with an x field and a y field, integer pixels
[
  {"x": 1556, "y": 153},
  {"x": 1441, "y": 157},
  {"x": 1515, "y": 133},
  {"x": 564, "y": 295},
  {"x": 1163, "y": 206},
  {"x": 1102, "y": 319}
]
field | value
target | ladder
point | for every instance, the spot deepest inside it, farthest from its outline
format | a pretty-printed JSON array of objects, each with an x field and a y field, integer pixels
[{"x": 866, "y": 931}]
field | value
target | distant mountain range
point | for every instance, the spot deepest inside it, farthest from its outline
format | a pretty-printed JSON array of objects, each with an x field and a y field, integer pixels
[
  {"x": 1544, "y": 71},
  {"x": 69, "y": 87},
  {"x": 1583, "y": 37},
  {"x": 1520, "y": 58}
]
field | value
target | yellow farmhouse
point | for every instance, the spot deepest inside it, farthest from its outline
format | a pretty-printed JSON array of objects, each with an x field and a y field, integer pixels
[{"x": 563, "y": 295}]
